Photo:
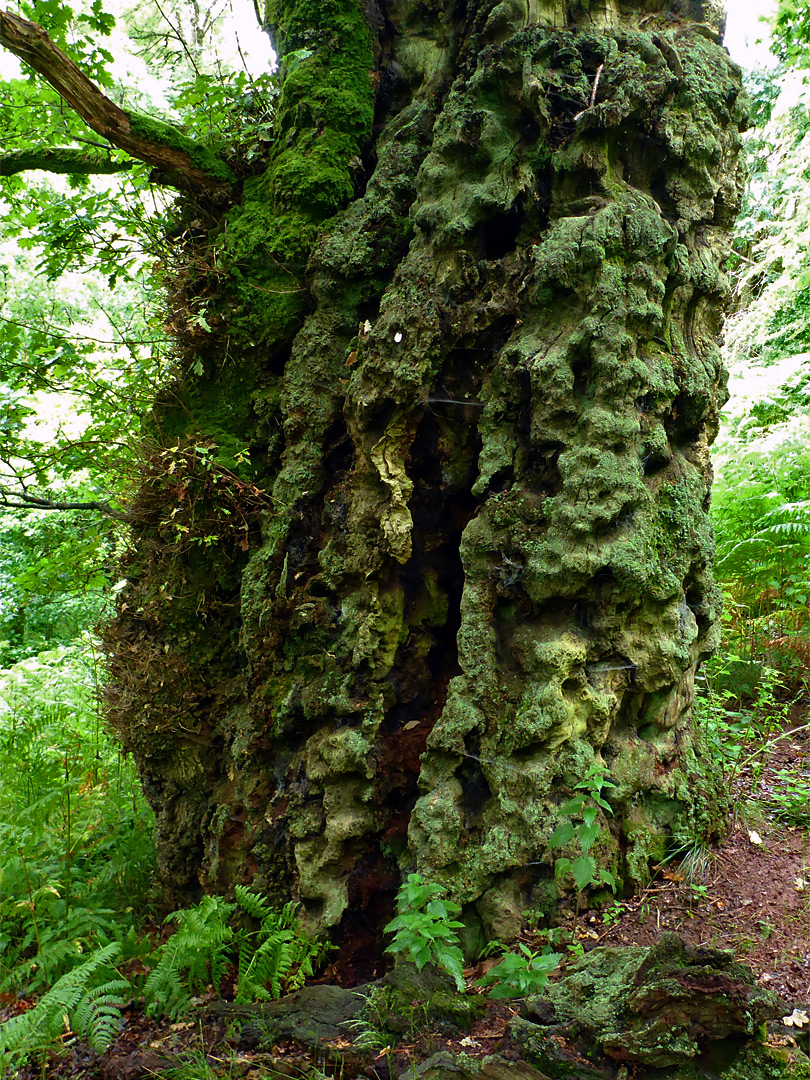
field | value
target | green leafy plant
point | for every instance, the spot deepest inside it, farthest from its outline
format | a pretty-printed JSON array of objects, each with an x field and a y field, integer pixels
[
  {"x": 585, "y": 805},
  {"x": 195, "y": 956},
  {"x": 210, "y": 940},
  {"x": 426, "y": 928},
  {"x": 75, "y": 830},
  {"x": 520, "y": 973},
  {"x": 741, "y": 717},
  {"x": 699, "y": 892},
  {"x": 368, "y": 1030},
  {"x": 613, "y": 913}
]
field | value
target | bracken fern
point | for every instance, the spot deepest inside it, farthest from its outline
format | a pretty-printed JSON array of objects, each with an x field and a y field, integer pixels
[
  {"x": 88, "y": 999},
  {"x": 194, "y": 956},
  {"x": 276, "y": 956}
]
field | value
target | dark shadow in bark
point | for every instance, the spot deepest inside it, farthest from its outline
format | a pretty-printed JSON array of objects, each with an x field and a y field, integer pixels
[
  {"x": 498, "y": 235},
  {"x": 542, "y": 467}
]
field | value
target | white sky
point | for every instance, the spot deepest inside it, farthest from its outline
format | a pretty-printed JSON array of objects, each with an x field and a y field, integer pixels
[
  {"x": 239, "y": 26},
  {"x": 743, "y": 28}
]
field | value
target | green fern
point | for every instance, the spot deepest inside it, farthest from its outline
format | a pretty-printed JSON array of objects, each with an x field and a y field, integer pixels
[
  {"x": 276, "y": 957},
  {"x": 198, "y": 953},
  {"x": 263, "y": 971},
  {"x": 257, "y": 906},
  {"x": 74, "y": 828},
  {"x": 88, "y": 1000},
  {"x": 272, "y": 958},
  {"x": 97, "y": 1016},
  {"x": 779, "y": 531}
]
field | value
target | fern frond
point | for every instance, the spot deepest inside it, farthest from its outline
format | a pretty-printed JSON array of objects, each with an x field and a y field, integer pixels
[
  {"x": 97, "y": 1016},
  {"x": 796, "y": 513},
  {"x": 197, "y": 953},
  {"x": 270, "y": 965},
  {"x": 163, "y": 990},
  {"x": 92, "y": 1010},
  {"x": 252, "y": 903}
]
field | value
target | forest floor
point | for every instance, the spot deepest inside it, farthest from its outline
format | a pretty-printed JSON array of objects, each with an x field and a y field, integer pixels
[{"x": 750, "y": 894}]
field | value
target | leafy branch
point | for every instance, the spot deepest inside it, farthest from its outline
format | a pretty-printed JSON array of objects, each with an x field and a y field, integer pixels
[
  {"x": 24, "y": 500},
  {"x": 178, "y": 160}
]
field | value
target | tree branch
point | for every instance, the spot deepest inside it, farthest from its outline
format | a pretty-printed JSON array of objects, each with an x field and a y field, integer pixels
[
  {"x": 22, "y": 500},
  {"x": 181, "y": 160},
  {"x": 59, "y": 160}
]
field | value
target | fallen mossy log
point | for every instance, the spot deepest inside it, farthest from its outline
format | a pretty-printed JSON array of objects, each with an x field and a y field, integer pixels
[{"x": 667, "y": 1012}]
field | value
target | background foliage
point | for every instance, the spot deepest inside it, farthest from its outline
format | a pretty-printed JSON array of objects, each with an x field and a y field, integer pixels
[{"x": 761, "y": 500}]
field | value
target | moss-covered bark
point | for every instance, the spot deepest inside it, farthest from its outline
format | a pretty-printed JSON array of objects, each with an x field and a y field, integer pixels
[{"x": 427, "y": 536}]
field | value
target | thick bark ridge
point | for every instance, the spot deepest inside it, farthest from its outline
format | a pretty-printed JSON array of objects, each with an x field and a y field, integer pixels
[{"x": 469, "y": 346}]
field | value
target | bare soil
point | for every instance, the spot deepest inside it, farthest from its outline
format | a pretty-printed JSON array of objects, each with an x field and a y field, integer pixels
[{"x": 755, "y": 903}]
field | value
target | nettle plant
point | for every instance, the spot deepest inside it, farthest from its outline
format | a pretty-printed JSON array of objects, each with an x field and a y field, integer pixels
[
  {"x": 584, "y": 833},
  {"x": 520, "y": 973},
  {"x": 426, "y": 928},
  {"x": 426, "y": 932}
]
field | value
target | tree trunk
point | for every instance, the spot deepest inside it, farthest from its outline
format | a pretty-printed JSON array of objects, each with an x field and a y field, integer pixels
[{"x": 423, "y": 529}]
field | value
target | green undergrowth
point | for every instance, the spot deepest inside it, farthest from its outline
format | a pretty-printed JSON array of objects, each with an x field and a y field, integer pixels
[
  {"x": 77, "y": 837},
  {"x": 261, "y": 950},
  {"x": 746, "y": 713},
  {"x": 263, "y": 947},
  {"x": 426, "y": 930},
  {"x": 75, "y": 830}
]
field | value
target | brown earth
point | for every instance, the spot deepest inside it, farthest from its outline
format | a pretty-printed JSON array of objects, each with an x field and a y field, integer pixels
[{"x": 753, "y": 904}]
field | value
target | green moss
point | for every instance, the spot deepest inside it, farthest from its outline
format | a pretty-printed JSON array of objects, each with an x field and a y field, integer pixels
[
  {"x": 409, "y": 999},
  {"x": 156, "y": 131},
  {"x": 661, "y": 1007},
  {"x": 344, "y": 751},
  {"x": 524, "y": 265},
  {"x": 432, "y": 605},
  {"x": 323, "y": 119},
  {"x": 647, "y": 840},
  {"x": 573, "y": 611}
]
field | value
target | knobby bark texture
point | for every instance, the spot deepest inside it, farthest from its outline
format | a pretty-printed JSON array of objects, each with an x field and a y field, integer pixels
[{"x": 423, "y": 532}]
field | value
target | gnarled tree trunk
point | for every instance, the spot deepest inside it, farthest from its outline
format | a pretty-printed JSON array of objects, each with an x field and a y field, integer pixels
[{"x": 423, "y": 532}]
